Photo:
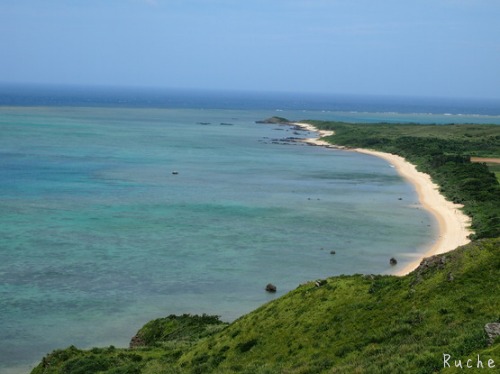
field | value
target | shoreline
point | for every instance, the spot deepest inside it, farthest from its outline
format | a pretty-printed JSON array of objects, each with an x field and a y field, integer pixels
[{"x": 453, "y": 224}]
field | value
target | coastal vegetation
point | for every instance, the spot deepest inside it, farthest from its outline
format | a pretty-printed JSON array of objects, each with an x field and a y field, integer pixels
[
  {"x": 492, "y": 163},
  {"x": 353, "y": 323}
]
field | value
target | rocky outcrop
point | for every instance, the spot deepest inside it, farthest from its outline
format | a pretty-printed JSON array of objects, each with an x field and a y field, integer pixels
[
  {"x": 136, "y": 342},
  {"x": 320, "y": 282},
  {"x": 427, "y": 265},
  {"x": 493, "y": 331},
  {"x": 437, "y": 261}
]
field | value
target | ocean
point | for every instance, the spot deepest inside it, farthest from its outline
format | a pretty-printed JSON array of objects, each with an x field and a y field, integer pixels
[{"x": 118, "y": 206}]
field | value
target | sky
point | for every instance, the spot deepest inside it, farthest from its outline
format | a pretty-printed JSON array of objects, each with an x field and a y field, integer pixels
[{"x": 445, "y": 48}]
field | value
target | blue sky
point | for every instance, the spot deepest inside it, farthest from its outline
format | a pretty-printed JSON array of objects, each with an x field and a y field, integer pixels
[{"x": 387, "y": 47}]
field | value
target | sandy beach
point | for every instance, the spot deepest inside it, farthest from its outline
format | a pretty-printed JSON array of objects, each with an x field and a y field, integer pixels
[
  {"x": 321, "y": 133},
  {"x": 453, "y": 223}
]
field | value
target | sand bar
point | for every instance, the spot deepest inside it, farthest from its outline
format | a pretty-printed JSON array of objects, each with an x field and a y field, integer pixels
[{"x": 453, "y": 224}]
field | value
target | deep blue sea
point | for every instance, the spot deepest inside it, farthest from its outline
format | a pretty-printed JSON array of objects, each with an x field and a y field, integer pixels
[{"x": 99, "y": 236}]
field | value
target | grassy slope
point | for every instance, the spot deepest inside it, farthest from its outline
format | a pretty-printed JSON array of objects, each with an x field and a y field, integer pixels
[
  {"x": 495, "y": 168},
  {"x": 375, "y": 324}
]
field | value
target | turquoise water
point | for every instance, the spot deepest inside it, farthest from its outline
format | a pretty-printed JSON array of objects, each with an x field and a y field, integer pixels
[{"x": 98, "y": 236}]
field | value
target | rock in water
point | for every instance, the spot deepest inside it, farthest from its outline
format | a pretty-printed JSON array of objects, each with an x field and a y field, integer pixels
[
  {"x": 393, "y": 261},
  {"x": 271, "y": 288}
]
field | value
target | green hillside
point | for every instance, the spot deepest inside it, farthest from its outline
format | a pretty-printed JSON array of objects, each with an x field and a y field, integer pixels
[
  {"x": 355, "y": 323},
  {"x": 369, "y": 323}
]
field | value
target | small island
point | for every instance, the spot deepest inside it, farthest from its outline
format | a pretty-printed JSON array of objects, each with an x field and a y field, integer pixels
[{"x": 275, "y": 120}]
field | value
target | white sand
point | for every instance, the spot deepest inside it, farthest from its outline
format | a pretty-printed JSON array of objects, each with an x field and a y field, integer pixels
[
  {"x": 453, "y": 223},
  {"x": 321, "y": 133}
]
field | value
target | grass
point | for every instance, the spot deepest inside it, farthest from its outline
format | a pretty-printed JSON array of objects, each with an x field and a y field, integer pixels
[
  {"x": 494, "y": 168},
  {"x": 371, "y": 323}
]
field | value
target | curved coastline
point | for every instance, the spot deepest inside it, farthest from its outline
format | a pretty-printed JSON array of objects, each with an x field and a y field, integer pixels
[{"x": 453, "y": 224}]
